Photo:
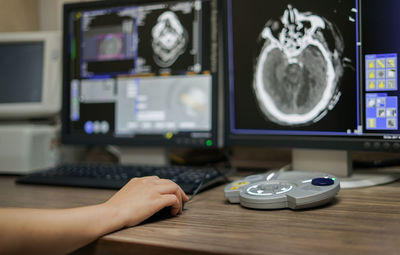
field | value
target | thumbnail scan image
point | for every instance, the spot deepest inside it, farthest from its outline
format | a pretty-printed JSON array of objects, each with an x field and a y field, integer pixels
[
  {"x": 190, "y": 101},
  {"x": 194, "y": 102},
  {"x": 111, "y": 46},
  {"x": 299, "y": 67},
  {"x": 169, "y": 39},
  {"x": 107, "y": 41}
]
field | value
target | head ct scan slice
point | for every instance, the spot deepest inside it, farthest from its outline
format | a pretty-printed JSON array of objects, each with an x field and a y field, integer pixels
[
  {"x": 299, "y": 68},
  {"x": 169, "y": 39},
  {"x": 111, "y": 47}
]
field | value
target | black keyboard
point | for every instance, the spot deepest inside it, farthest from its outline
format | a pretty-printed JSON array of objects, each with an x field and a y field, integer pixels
[{"x": 114, "y": 176}]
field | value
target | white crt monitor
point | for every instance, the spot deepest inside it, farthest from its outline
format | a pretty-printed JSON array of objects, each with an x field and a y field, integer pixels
[{"x": 30, "y": 80}]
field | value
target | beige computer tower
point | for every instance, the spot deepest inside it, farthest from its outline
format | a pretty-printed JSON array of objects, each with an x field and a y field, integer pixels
[{"x": 25, "y": 148}]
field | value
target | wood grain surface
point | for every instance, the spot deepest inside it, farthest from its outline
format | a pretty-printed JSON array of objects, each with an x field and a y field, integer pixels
[{"x": 362, "y": 221}]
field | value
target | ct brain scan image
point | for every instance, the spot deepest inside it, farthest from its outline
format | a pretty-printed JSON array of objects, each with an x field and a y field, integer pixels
[
  {"x": 111, "y": 46},
  {"x": 299, "y": 67},
  {"x": 194, "y": 101},
  {"x": 169, "y": 39}
]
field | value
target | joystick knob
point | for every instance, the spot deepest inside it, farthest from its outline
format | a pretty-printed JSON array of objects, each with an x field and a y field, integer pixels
[{"x": 322, "y": 182}]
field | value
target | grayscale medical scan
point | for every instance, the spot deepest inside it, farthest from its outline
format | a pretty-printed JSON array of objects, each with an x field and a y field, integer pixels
[
  {"x": 169, "y": 39},
  {"x": 299, "y": 58},
  {"x": 297, "y": 72}
]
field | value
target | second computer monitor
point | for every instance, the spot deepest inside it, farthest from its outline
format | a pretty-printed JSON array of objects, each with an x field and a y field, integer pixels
[
  {"x": 140, "y": 73},
  {"x": 30, "y": 72}
]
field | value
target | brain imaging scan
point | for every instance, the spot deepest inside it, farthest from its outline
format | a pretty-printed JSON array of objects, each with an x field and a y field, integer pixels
[
  {"x": 169, "y": 39},
  {"x": 111, "y": 46},
  {"x": 299, "y": 67},
  {"x": 191, "y": 102},
  {"x": 194, "y": 101}
]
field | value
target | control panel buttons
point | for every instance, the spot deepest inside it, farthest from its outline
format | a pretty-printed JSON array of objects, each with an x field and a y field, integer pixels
[
  {"x": 268, "y": 189},
  {"x": 241, "y": 183},
  {"x": 367, "y": 145},
  {"x": 386, "y": 146},
  {"x": 322, "y": 182}
]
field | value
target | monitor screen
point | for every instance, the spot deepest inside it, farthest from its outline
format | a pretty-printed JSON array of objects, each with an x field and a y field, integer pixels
[
  {"x": 309, "y": 73},
  {"x": 21, "y": 72},
  {"x": 139, "y": 73},
  {"x": 30, "y": 71}
]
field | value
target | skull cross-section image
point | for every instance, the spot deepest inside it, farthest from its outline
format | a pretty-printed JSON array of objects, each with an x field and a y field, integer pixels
[
  {"x": 302, "y": 56},
  {"x": 169, "y": 39},
  {"x": 297, "y": 73}
]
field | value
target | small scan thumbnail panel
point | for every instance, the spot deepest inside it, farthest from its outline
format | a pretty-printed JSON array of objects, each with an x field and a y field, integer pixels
[
  {"x": 381, "y": 72},
  {"x": 381, "y": 112},
  {"x": 148, "y": 38}
]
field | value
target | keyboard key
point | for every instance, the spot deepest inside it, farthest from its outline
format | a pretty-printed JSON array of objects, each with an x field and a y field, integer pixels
[{"x": 115, "y": 176}]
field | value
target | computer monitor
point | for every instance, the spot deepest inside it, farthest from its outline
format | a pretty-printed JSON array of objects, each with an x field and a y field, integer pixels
[
  {"x": 140, "y": 73},
  {"x": 310, "y": 74},
  {"x": 30, "y": 72}
]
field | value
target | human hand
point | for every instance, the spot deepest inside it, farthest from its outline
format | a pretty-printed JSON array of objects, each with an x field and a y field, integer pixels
[
  {"x": 61, "y": 231},
  {"x": 140, "y": 198}
]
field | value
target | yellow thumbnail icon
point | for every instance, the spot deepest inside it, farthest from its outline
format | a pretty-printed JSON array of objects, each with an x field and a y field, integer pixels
[
  {"x": 380, "y": 63},
  {"x": 391, "y": 63},
  {"x": 371, "y": 75},
  {"x": 372, "y": 123},
  {"x": 371, "y": 64},
  {"x": 371, "y": 85}
]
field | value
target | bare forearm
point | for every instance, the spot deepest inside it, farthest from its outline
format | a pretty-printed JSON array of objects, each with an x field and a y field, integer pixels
[
  {"x": 38, "y": 231},
  {"x": 32, "y": 231}
]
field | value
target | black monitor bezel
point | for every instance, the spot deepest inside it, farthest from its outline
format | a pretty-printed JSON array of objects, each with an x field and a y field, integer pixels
[
  {"x": 293, "y": 141},
  {"x": 148, "y": 141}
]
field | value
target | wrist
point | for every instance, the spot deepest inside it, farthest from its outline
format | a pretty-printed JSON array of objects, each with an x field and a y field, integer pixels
[{"x": 110, "y": 218}]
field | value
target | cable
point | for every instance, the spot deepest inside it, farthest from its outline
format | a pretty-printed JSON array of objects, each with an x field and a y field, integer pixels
[
  {"x": 199, "y": 186},
  {"x": 204, "y": 177}
]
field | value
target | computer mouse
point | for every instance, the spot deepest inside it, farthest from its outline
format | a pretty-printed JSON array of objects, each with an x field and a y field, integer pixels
[{"x": 163, "y": 214}]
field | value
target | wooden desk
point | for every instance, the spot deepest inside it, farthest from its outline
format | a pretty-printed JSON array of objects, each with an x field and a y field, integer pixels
[{"x": 363, "y": 221}]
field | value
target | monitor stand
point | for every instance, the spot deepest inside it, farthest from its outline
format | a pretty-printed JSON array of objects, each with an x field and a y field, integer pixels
[
  {"x": 143, "y": 156},
  {"x": 338, "y": 163}
]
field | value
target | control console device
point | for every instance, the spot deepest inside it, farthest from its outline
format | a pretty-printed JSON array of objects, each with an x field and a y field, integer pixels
[{"x": 278, "y": 190}]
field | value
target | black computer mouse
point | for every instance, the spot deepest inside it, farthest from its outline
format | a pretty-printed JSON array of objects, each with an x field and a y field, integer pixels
[{"x": 163, "y": 214}]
